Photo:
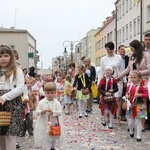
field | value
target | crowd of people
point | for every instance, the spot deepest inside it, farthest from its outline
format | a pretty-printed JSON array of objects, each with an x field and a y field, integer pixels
[{"x": 122, "y": 80}]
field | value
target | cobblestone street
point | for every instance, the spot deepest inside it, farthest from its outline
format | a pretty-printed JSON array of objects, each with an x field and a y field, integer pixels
[{"x": 89, "y": 134}]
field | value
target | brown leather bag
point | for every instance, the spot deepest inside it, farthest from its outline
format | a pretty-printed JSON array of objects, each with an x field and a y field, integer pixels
[{"x": 85, "y": 91}]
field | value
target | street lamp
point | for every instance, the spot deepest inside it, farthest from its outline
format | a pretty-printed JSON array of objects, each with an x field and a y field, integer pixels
[
  {"x": 78, "y": 56},
  {"x": 65, "y": 57},
  {"x": 71, "y": 48}
]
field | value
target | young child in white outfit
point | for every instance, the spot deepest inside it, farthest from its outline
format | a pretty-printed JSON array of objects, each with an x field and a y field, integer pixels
[{"x": 48, "y": 105}]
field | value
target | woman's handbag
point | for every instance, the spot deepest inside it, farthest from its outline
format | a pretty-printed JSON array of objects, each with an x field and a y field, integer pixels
[
  {"x": 85, "y": 91},
  {"x": 94, "y": 90},
  {"x": 5, "y": 117},
  {"x": 54, "y": 130}
]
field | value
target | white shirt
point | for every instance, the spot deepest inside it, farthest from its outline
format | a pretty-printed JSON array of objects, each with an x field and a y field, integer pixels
[{"x": 16, "y": 86}]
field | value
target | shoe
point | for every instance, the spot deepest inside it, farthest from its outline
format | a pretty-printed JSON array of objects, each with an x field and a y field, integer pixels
[
  {"x": 80, "y": 116},
  {"x": 85, "y": 114},
  {"x": 103, "y": 122},
  {"x": 138, "y": 140},
  {"x": 110, "y": 127},
  {"x": 143, "y": 130},
  {"x": 88, "y": 109},
  {"x": 128, "y": 130},
  {"x": 67, "y": 113},
  {"x": 31, "y": 134},
  {"x": 132, "y": 135},
  {"x": 17, "y": 145}
]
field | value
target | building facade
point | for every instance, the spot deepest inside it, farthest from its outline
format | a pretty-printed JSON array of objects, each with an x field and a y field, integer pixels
[
  {"x": 146, "y": 16},
  {"x": 23, "y": 42},
  {"x": 91, "y": 44},
  {"x": 83, "y": 49},
  {"x": 99, "y": 46},
  {"x": 107, "y": 33},
  {"x": 128, "y": 23}
]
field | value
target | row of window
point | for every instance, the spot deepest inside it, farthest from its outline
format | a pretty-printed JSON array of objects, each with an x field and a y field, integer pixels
[
  {"x": 109, "y": 37},
  {"x": 124, "y": 7},
  {"x": 129, "y": 30},
  {"x": 148, "y": 13}
]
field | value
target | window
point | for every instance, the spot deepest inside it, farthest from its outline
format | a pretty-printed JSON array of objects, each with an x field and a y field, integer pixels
[
  {"x": 130, "y": 3},
  {"x": 120, "y": 36},
  {"x": 134, "y": 27},
  {"x": 114, "y": 34},
  {"x": 123, "y": 8},
  {"x": 134, "y": 2},
  {"x": 105, "y": 40},
  {"x": 130, "y": 29},
  {"x": 98, "y": 45},
  {"x": 120, "y": 12},
  {"x": 127, "y": 32},
  {"x": 102, "y": 43},
  {"x": 110, "y": 36},
  {"x": 118, "y": 40},
  {"x": 138, "y": 25},
  {"x": 148, "y": 13},
  {"x": 126, "y": 5},
  {"x": 123, "y": 34},
  {"x": 95, "y": 46}
]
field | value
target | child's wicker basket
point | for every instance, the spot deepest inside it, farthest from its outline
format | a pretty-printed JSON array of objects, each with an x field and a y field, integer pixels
[{"x": 5, "y": 118}]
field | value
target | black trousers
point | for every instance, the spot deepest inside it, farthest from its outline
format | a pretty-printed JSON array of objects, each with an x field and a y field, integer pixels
[{"x": 123, "y": 112}]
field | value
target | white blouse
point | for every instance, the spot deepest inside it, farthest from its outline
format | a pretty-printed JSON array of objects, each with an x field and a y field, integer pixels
[{"x": 114, "y": 61}]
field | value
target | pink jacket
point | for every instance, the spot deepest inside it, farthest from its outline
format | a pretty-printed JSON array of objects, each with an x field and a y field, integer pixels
[{"x": 143, "y": 67}]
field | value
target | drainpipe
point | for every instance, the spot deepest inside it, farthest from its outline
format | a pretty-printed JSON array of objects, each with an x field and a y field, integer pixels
[
  {"x": 116, "y": 28},
  {"x": 141, "y": 16}
]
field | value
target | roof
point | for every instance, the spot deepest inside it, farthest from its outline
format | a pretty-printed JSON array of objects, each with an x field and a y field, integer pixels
[
  {"x": 107, "y": 23},
  {"x": 116, "y": 1},
  {"x": 13, "y": 30}
]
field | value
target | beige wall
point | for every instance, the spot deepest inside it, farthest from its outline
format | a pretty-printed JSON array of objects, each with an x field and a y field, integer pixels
[
  {"x": 128, "y": 22},
  {"x": 146, "y": 16},
  {"x": 99, "y": 46},
  {"x": 21, "y": 42},
  {"x": 91, "y": 44}
]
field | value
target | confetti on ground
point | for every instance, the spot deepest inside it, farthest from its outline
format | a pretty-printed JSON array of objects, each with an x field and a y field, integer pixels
[{"x": 89, "y": 134}]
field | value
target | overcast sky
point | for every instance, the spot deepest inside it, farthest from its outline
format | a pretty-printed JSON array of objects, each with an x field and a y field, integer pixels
[{"x": 52, "y": 22}]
